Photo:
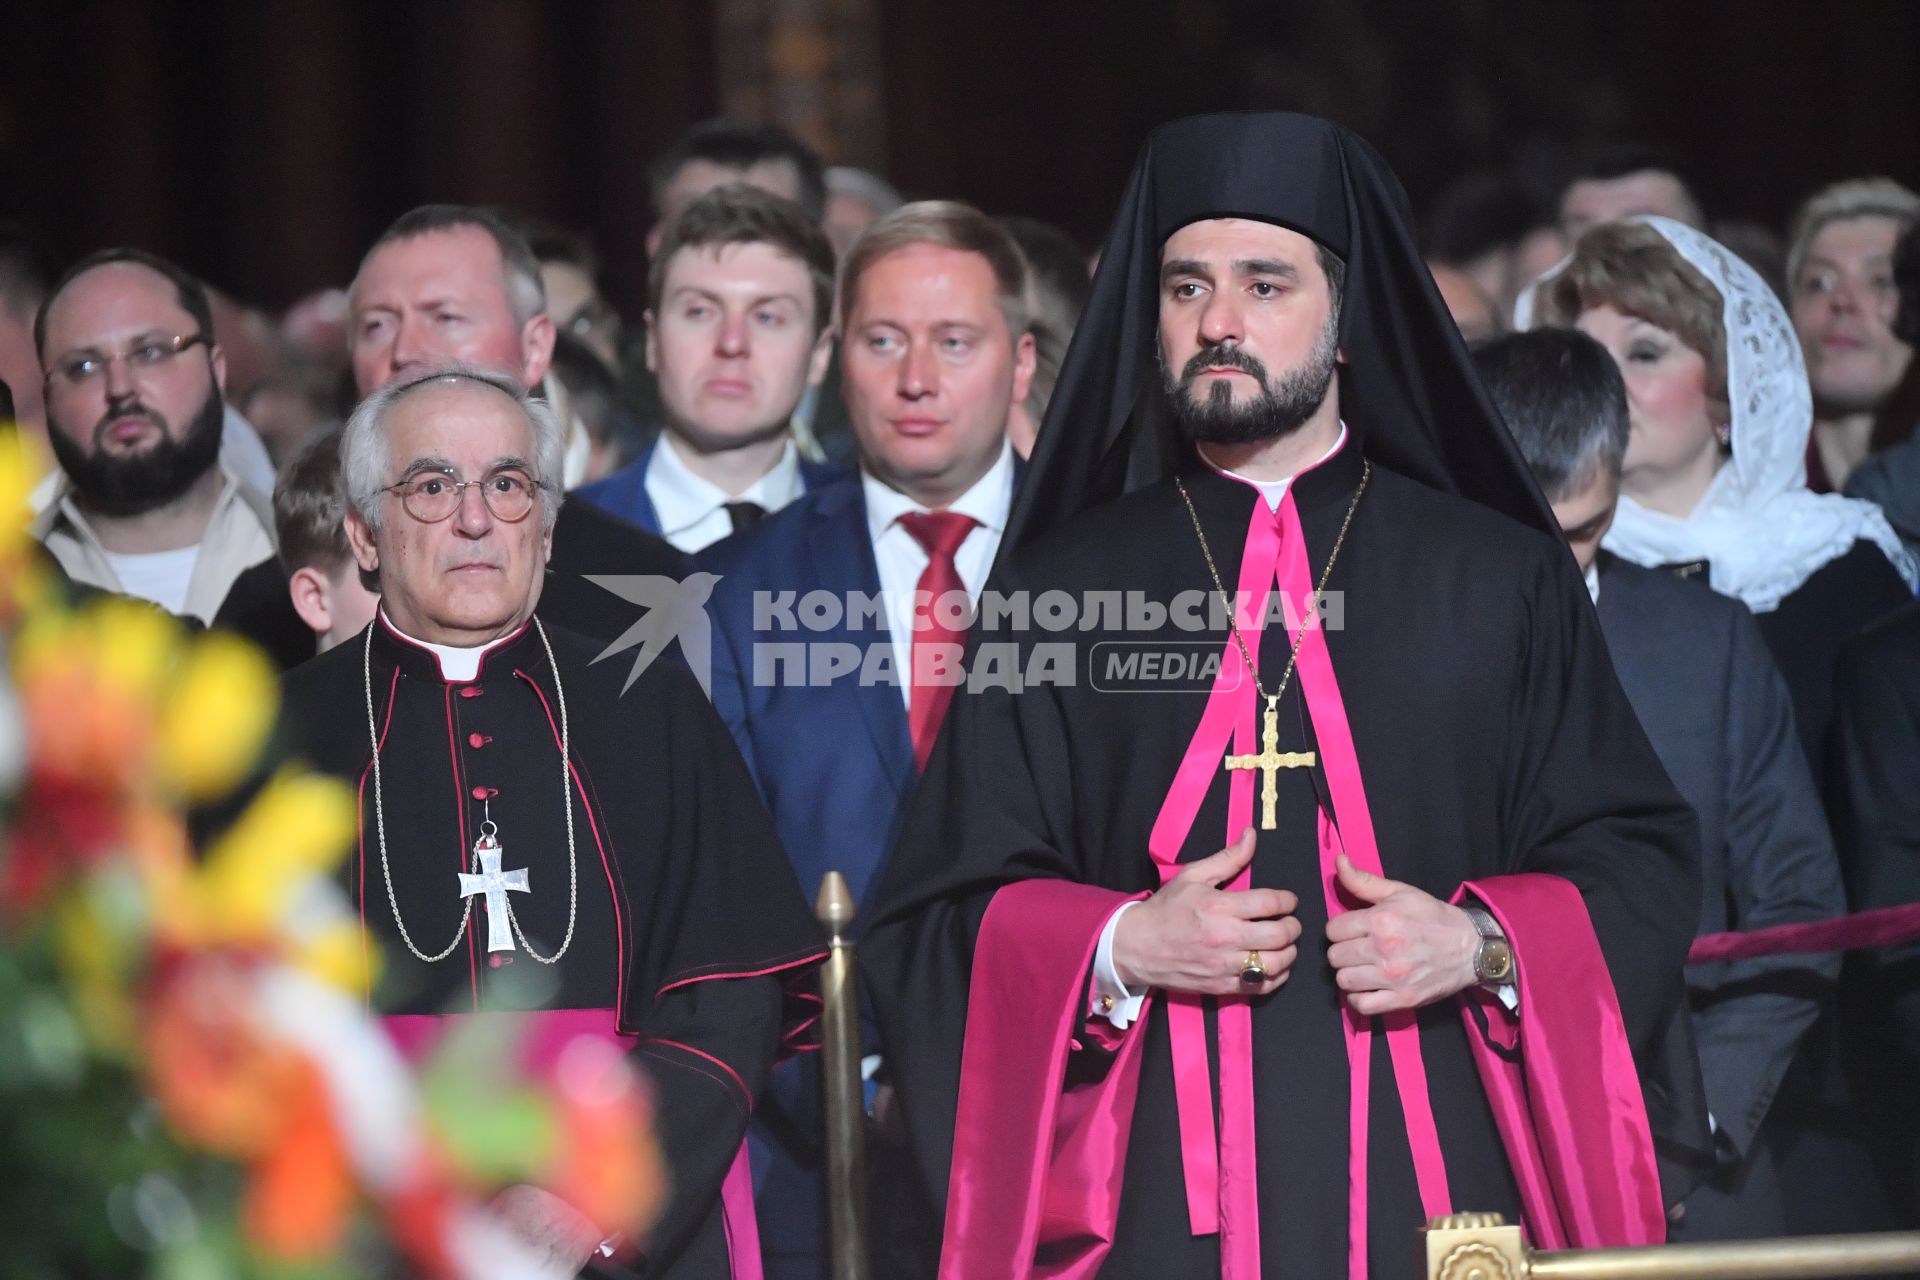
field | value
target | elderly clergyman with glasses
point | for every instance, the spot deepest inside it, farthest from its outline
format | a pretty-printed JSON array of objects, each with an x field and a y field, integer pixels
[
  {"x": 133, "y": 376},
  {"x": 535, "y": 835}
]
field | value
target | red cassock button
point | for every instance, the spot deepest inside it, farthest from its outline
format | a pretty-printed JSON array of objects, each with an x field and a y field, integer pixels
[
  {"x": 469, "y": 690},
  {"x": 476, "y": 740},
  {"x": 485, "y": 793}
]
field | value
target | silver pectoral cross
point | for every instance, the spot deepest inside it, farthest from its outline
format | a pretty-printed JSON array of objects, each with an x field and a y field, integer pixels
[{"x": 495, "y": 884}]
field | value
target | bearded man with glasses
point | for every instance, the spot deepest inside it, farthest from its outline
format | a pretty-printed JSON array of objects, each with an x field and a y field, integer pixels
[
  {"x": 133, "y": 379},
  {"x": 574, "y": 842}
]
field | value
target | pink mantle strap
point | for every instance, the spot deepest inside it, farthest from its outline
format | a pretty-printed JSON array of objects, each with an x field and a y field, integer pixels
[
  {"x": 1035, "y": 1164},
  {"x": 1570, "y": 1111},
  {"x": 1222, "y": 1189}
]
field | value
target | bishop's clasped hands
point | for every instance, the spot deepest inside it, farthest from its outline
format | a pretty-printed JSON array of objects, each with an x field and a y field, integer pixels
[{"x": 1403, "y": 948}]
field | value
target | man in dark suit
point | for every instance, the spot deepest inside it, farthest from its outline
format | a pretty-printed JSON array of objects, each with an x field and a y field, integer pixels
[
  {"x": 1697, "y": 672},
  {"x": 836, "y": 708},
  {"x": 740, "y": 300}
]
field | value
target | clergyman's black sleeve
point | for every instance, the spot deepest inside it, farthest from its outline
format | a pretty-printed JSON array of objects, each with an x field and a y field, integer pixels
[{"x": 708, "y": 1050}]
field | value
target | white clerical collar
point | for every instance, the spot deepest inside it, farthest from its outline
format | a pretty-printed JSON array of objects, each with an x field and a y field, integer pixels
[
  {"x": 682, "y": 499},
  {"x": 1593, "y": 581},
  {"x": 1275, "y": 490},
  {"x": 457, "y": 663},
  {"x": 988, "y": 501}
]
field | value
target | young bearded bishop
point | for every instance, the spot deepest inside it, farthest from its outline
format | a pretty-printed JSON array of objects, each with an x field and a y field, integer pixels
[
  {"x": 530, "y": 835},
  {"x": 1380, "y": 918}
]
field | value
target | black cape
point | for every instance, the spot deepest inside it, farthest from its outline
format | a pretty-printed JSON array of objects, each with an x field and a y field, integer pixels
[
  {"x": 690, "y": 923},
  {"x": 1492, "y": 734}
]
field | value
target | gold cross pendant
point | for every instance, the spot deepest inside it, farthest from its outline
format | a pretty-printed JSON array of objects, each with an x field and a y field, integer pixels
[{"x": 1269, "y": 762}]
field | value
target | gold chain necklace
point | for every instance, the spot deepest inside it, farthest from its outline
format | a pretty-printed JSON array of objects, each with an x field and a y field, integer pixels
[{"x": 1271, "y": 759}]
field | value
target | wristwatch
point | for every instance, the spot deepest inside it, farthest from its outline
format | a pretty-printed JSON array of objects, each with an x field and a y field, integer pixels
[{"x": 1493, "y": 963}]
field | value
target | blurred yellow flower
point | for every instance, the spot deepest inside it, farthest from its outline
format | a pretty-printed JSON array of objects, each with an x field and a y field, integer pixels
[
  {"x": 217, "y": 715},
  {"x": 298, "y": 827}
]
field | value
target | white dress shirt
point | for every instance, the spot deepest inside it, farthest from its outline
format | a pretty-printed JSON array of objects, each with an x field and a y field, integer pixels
[
  {"x": 693, "y": 510},
  {"x": 902, "y": 560}
]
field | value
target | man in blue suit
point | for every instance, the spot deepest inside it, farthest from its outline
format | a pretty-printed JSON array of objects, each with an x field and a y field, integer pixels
[
  {"x": 936, "y": 351},
  {"x": 739, "y": 300}
]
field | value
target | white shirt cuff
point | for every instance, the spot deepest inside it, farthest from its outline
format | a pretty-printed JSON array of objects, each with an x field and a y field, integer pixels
[
  {"x": 1509, "y": 996},
  {"x": 1109, "y": 996}
]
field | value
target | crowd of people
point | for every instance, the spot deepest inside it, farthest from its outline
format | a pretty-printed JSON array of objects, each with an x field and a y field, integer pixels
[{"x": 1706, "y": 719}]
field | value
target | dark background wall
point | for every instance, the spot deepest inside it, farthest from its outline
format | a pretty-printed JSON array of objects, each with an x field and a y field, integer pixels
[{"x": 265, "y": 143}]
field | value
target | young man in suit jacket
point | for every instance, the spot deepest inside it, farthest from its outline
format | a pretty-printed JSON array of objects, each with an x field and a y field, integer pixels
[
  {"x": 1717, "y": 711},
  {"x": 936, "y": 353},
  {"x": 740, "y": 298}
]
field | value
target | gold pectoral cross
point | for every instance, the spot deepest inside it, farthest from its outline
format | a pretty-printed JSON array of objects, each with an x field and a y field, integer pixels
[{"x": 1269, "y": 762}]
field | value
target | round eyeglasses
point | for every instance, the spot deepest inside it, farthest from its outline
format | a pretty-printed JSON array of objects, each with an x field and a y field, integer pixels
[{"x": 432, "y": 494}]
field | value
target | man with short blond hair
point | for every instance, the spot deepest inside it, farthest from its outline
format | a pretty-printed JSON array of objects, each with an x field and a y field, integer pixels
[{"x": 936, "y": 355}]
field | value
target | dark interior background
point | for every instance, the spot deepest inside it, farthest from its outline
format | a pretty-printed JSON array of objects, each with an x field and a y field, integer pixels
[{"x": 265, "y": 143}]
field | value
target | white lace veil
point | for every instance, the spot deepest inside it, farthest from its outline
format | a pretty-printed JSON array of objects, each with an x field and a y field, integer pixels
[{"x": 1761, "y": 530}]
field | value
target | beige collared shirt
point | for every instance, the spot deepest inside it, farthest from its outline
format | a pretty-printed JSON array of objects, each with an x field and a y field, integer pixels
[{"x": 239, "y": 535}]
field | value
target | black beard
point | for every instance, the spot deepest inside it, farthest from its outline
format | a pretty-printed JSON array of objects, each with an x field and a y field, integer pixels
[
  {"x": 133, "y": 484},
  {"x": 1280, "y": 408}
]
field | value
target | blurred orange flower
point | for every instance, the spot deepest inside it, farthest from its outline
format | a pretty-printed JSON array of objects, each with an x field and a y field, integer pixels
[{"x": 300, "y": 1195}]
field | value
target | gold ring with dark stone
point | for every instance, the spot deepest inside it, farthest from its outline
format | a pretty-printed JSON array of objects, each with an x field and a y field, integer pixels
[{"x": 1253, "y": 973}]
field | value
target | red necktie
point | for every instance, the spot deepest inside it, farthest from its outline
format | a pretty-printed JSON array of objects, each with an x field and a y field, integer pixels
[{"x": 940, "y": 534}]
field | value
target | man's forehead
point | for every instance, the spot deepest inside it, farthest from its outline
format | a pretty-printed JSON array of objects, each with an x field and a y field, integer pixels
[
  {"x": 752, "y": 262},
  {"x": 464, "y": 409},
  {"x": 466, "y": 257},
  {"x": 115, "y": 295},
  {"x": 924, "y": 278}
]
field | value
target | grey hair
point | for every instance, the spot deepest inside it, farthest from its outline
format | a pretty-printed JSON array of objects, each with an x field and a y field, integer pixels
[
  {"x": 1841, "y": 202},
  {"x": 366, "y": 460},
  {"x": 1564, "y": 402}
]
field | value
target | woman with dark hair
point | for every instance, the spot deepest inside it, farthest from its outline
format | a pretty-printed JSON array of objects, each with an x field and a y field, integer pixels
[{"x": 1714, "y": 483}]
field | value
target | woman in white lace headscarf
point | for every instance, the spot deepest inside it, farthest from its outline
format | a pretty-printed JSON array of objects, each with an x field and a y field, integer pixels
[{"x": 1714, "y": 482}]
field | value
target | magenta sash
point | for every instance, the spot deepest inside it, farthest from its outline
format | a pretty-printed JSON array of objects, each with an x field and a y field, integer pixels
[
  {"x": 1220, "y": 1172},
  {"x": 1570, "y": 1111},
  {"x": 1035, "y": 1165}
]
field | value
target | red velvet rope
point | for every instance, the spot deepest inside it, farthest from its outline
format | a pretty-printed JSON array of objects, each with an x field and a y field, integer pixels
[{"x": 1886, "y": 927}]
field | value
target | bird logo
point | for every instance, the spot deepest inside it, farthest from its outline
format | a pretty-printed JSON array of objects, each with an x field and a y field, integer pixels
[{"x": 676, "y": 610}]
